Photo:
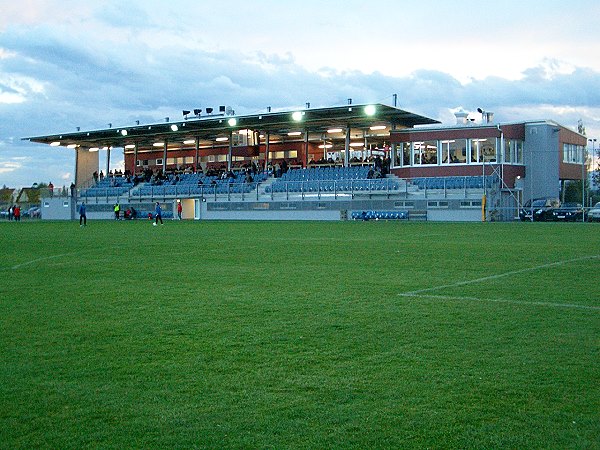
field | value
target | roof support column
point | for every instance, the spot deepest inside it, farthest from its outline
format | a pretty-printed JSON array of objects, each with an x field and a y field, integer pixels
[
  {"x": 107, "y": 160},
  {"x": 347, "y": 148},
  {"x": 305, "y": 157},
  {"x": 197, "y": 153},
  {"x": 164, "y": 167},
  {"x": 230, "y": 150},
  {"x": 135, "y": 158},
  {"x": 267, "y": 149}
]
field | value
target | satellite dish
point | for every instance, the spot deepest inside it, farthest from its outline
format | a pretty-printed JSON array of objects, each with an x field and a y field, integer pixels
[{"x": 229, "y": 111}]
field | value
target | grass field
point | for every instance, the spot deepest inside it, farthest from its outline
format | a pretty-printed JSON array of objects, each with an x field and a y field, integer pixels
[{"x": 299, "y": 335}]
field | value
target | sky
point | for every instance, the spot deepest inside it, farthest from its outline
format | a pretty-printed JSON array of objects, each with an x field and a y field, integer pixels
[{"x": 66, "y": 64}]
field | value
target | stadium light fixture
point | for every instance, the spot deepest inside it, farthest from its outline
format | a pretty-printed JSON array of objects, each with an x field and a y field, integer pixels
[
  {"x": 130, "y": 146},
  {"x": 377, "y": 127},
  {"x": 294, "y": 133},
  {"x": 123, "y": 132},
  {"x": 72, "y": 146},
  {"x": 158, "y": 144},
  {"x": 370, "y": 110},
  {"x": 297, "y": 116},
  {"x": 54, "y": 144},
  {"x": 334, "y": 130},
  {"x": 174, "y": 127},
  {"x": 94, "y": 149},
  {"x": 232, "y": 122},
  {"x": 189, "y": 142},
  {"x": 221, "y": 139}
]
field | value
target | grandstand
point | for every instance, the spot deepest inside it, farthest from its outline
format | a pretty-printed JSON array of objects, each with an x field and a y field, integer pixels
[{"x": 326, "y": 163}]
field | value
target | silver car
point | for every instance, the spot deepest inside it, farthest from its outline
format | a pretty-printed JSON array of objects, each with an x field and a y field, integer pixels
[{"x": 594, "y": 213}]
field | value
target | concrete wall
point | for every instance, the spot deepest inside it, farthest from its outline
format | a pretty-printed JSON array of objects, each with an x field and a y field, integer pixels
[
  {"x": 86, "y": 163},
  {"x": 541, "y": 160},
  {"x": 454, "y": 215},
  {"x": 58, "y": 208}
]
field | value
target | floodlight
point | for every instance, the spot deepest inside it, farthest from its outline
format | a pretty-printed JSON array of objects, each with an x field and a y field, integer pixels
[{"x": 370, "y": 110}]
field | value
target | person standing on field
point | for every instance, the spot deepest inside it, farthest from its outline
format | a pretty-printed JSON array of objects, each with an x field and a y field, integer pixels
[
  {"x": 179, "y": 209},
  {"x": 82, "y": 216},
  {"x": 157, "y": 214}
]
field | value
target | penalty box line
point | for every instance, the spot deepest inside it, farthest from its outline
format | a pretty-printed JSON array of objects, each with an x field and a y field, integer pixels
[
  {"x": 501, "y": 275},
  {"x": 423, "y": 292},
  {"x": 503, "y": 300}
]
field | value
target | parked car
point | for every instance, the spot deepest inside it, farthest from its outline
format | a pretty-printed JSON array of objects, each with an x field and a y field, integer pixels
[
  {"x": 540, "y": 208},
  {"x": 568, "y": 212},
  {"x": 594, "y": 213},
  {"x": 34, "y": 212}
]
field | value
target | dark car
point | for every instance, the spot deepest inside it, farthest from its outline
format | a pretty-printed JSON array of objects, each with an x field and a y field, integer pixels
[
  {"x": 568, "y": 212},
  {"x": 539, "y": 210}
]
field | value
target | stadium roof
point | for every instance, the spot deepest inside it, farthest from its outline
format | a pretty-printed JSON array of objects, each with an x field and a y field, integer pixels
[{"x": 209, "y": 127}]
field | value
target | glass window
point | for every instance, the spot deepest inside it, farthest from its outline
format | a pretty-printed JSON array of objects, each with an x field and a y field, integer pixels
[
  {"x": 508, "y": 150},
  {"x": 483, "y": 150},
  {"x": 518, "y": 152},
  {"x": 417, "y": 152},
  {"x": 429, "y": 153},
  {"x": 454, "y": 151},
  {"x": 406, "y": 153}
]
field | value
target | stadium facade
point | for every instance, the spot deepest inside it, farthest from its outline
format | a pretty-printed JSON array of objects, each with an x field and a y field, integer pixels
[{"x": 316, "y": 163}]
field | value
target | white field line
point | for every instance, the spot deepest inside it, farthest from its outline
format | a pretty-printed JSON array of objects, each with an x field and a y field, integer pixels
[
  {"x": 502, "y": 300},
  {"x": 501, "y": 275},
  {"x": 33, "y": 261}
]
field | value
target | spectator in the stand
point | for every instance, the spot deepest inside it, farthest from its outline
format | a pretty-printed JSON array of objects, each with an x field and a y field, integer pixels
[
  {"x": 101, "y": 175},
  {"x": 370, "y": 173},
  {"x": 378, "y": 162},
  {"x": 95, "y": 175},
  {"x": 72, "y": 189},
  {"x": 387, "y": 163},
  {"x": 158, "y": 215},
  {"x": 179, "y": 209},
  {"x": 284, "y": 166},
  {"x": 277, "y": 171},
  {"x": 82, "y": 215}
]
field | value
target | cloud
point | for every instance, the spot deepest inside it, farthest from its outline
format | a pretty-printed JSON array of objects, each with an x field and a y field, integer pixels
[{"x": 53, "y": 79}]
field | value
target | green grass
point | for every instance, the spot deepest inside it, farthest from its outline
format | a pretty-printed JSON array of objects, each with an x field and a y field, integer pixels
[{"x": 297, "y": 335}]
